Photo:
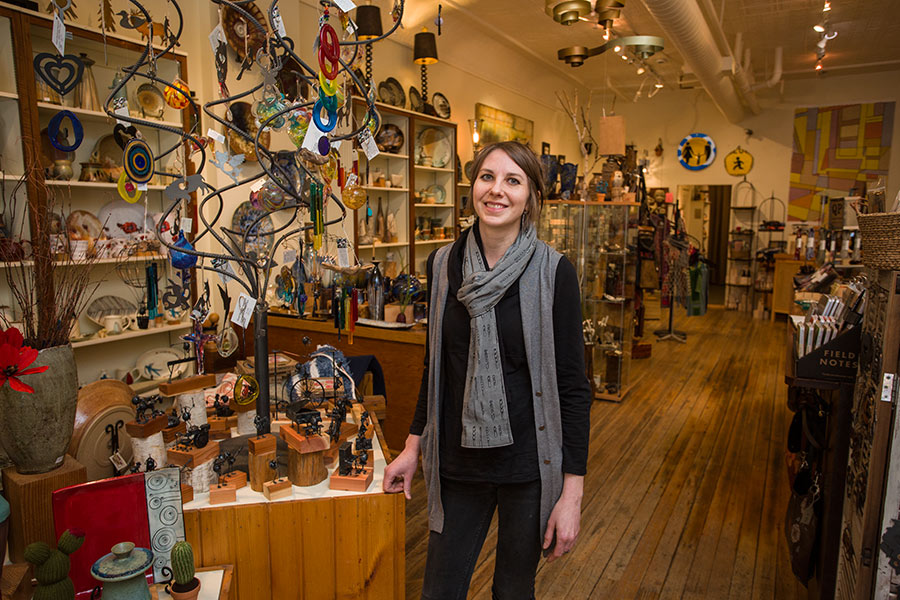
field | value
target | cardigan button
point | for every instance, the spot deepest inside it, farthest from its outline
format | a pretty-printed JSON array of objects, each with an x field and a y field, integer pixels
[
  {"x": 541, "y": 428},
  {"x": 547, "y": 461},
  {"x": 538, "y": 394}
]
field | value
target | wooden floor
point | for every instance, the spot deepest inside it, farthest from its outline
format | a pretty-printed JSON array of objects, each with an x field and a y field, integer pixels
[{"x": 686, "y": 487}]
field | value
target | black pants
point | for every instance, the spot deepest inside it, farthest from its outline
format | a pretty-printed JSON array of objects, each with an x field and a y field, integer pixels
[{"x": 468, "y": 509}]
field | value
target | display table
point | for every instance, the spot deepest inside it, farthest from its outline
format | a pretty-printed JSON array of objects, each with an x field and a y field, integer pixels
[
  {"x": 400, "y": 352},
  {"x": 215, "y": 584},
  {"x": 315, "y": 543}
]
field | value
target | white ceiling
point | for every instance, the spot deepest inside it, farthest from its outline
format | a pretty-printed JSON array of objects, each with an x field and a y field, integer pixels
[{"x": 868, "y": 35}]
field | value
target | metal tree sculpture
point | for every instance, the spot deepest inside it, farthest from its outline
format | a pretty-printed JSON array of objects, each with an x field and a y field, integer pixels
[{"x": 298, "y": 173}]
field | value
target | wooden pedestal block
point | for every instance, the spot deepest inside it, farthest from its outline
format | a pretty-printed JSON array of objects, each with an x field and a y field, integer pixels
[
  {"x": 306, "y": 469},
  {"x": 219, "y": 494},
  {"x": 280, "y": 488},
  {"x": 261, "y": 451},
  {"x": 235, "y": 479},
  {"x": 220, "y": 435},
  {"x": 194, "y": 456},
  {"x": 170, "y": 434},
  {"x": 187, "y": 493},
  {"x": 217, "y": 423},
  {"x": 189, "y": 384},
  {"x": 31, "y": 510},
  {"x": 376, "y": 405},
  {"x": 16, "y": 582},
  {"x": 352, "y": 483},
  {"x": 262, "y": 444},
  {"x": 145, "y": 430},
  {"x": 301, "y": 442}
]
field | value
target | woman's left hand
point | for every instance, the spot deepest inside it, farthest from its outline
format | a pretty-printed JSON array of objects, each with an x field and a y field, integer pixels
[{"x": 565, "y": 520}]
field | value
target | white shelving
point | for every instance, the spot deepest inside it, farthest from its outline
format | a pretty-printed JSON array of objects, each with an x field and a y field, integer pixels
[
  {"x": 131, "y": 334},
  {"x": 386, "y": 154},
  {"x": 99, "y": 261},
  {"x": 433, "y": 205},
  {"x": 443, "y": 241},
  {"x": 9, "y": 95},
  {"x": 385, "y": 245},
  {"x": 433, "y": 169},
  {"x": 376, "y": 188},
  {"x": 99, "y": 115},
  {"x": 93, "y": 184}
]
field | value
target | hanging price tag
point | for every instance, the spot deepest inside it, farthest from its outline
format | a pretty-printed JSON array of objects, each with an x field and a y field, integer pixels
[
  {"x": 216, "y": 36},
  {"x": 220, "y": 264},
  {"x": 215, "y": 135},
  {"x": 311, "y": 141},
  {"x": 118, "y": 462},
  {"x": 368, "y": 144},
  {"x": 345, "y": 5},
  {"x": 142, "y": 187},
  {"x": 351, "y": 28},
  {"x": 279, "y": 22},
  {"x": 58, "y": 36},
  {"x": 243, "y": 311},
  {"x": 258, "y": 185},
  {"x": 343, "y": 253},
  {"x": 186, "y": 223}
]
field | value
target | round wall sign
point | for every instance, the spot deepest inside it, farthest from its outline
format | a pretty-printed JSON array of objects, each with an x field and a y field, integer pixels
[
  {"x": 696, "y": 151},
  {"x": 738, "y": 162}
]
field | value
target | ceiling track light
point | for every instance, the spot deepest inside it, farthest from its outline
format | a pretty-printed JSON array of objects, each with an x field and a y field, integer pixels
[
  {"x": 818, "y": 27},
  {"x": 644, "y": 46},
  {"x": 827, "y": 6},
  {"x": 569, "y": 12}
]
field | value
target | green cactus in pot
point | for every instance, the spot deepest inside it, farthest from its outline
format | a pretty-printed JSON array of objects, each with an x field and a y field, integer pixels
[
  {"x": 184, "y": 586},
  {"x": 51, "y": 567}
]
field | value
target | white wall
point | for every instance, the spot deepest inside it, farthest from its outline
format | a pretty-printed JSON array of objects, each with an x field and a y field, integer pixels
[{"x": 672, "y": 114}]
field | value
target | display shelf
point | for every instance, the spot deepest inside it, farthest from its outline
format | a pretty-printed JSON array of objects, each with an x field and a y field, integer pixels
[
  {"x": 95, "y": 115},
  {"x": 463, "y": 185},
  {"x": 9, "y": 96},
  {"x": 385, "y": 154},
  {"x": 80, "y": 263},
  {"x": 375, "y": 188},
  {"x": 131, "y": 335},
  {"x": 434, "y": 169},
  {"x": 742, "y": 208},
  {"x": 385, "y": 245},
  {"x": 443, "y": 241},
  {"x": 7, "y": 177},
  {"x": 94, "y": 184},
  {"x": 432, "y": 205}
]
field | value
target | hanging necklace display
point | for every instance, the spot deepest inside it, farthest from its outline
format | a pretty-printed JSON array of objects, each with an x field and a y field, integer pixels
[
  {"x": 53, "y": 131},
  {"x": 137, "y": 161}
]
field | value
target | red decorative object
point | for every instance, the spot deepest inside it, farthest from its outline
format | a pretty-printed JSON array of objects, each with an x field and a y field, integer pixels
[
  {"x": 108, "y": 511},
  {"x": 14, "y": 360}
]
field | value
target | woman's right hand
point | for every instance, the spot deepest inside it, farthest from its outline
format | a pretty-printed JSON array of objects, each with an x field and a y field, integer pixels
[{"x": 399, "y": 474}]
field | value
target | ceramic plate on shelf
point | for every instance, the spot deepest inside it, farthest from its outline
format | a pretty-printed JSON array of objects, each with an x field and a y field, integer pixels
[
  {"x": 121, "y": 219},
  {"x": 390, "y": 138},
  {"x": 153, "y": 364},
  {"x": 391, "y": 92},
  {"x": 244, "y": 216},
  {"x": 106, "y": 306},
  {"x": 440, "y": 195},
  {"x": 416, "y": 102},
  {"x": 240, "y": 34},
  {"x": 434, "y": 143},
  {"x": 82, "y": 225},
  {"x": 441, "y": 105},
  {"x": 150, "y": 100}
]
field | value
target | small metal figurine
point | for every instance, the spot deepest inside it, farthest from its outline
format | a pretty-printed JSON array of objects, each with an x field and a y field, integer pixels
[
  {"x": 363, "y": 443},
  {"x": 222, "y": 407},
  {"x": 144, "y": 406},
  {"x": 345, "y": 458},
  {"x": 310, "y": 419},
  {"x": 260, "y": 421},
  {"x": 185, "y": 415},
  {"x": 136, "y": 467},
  {"x": 273, "y": 464},
  {"x": 226, "y": 460},
  {"x": 359, "y": 463},
  {"x": 196, "y": 437},
  {"x": 150, "y": 465},
  {"x": 174, "y": 419},
  {"x": 338, "y": 416}
]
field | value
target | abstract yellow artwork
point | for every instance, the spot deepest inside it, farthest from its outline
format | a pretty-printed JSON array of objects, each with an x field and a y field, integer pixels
[{"x": 837, "y": 149}]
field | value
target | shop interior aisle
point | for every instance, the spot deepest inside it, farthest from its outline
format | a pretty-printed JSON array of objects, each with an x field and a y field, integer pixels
[{"x": 686, "y": 489}]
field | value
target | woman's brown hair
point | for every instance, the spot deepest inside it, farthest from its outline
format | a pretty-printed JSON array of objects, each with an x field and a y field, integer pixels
[{"x": 526, "y": 159}]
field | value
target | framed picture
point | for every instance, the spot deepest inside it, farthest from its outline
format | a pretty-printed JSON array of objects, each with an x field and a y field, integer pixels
[
  {"x": 500, "y": 126},
  {"x": 545, "y": 148}
]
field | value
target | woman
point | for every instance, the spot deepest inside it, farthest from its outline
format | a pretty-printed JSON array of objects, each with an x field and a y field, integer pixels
[{"x": 502, "y": 416}]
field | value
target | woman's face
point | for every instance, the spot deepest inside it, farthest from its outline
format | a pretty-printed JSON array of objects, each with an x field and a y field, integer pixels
[{"x": 500, "y": 192}]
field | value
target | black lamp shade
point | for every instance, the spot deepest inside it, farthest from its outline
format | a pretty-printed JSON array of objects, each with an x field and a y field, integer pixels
[
  {"x": 368, "y": 22},
  {"x": 425, "y": 48}
]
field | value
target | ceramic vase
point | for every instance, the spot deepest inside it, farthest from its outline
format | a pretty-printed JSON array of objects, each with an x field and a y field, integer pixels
[
  {"x": 122, "y": 572},
  {"x": 35, "y": 429}
]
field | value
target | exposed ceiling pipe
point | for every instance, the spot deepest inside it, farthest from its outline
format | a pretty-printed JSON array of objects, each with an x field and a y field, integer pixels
[
  {"x": 742, "y": 73},
  {"x": 683, "y": 23},
  {"x": 776, "y": 73}
]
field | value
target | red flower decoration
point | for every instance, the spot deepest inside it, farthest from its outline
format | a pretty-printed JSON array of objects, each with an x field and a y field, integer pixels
[{"x": 14, "y": 360}]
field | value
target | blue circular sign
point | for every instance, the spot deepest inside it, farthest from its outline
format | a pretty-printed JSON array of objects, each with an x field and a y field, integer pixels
[{"x": 696, "y": 151}]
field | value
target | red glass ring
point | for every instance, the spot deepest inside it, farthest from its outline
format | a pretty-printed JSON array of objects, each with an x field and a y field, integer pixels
[{"x": 329, "y": 43}]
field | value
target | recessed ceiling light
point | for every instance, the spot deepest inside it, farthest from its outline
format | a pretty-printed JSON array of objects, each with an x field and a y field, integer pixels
[
  {"x": 617, "y": 49},
  {"x": 818, "y": 66},
  {"x": 819, "y": 27},
  {"x": 659, "y": 84},
  {"x": 641, "y": 70}
]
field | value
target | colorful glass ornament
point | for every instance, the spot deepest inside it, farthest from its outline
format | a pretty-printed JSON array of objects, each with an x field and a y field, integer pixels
[
  {"x": 127, "y": 189},
  {"x": 138, "y": 161},
  {"x": 53, "y": 131},
  {"x": 182, "y": 260},
  {"x": 177, "y": 94}
]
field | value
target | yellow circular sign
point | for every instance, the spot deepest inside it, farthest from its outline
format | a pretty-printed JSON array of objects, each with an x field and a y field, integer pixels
[{"x": 738, "y": 162}]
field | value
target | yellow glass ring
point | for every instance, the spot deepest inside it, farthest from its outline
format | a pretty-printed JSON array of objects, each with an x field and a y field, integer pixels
[
  {"x": 329, "y": 87},
  {"x": 127, "y": 189},
  {"x": 245, "y": 394}
]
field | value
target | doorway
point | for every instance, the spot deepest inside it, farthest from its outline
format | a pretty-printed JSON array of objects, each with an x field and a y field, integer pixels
[{"x": 706, "y": 218}]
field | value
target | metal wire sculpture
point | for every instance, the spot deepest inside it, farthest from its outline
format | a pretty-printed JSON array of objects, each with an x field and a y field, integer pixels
[{"x": 304, "y": 188}]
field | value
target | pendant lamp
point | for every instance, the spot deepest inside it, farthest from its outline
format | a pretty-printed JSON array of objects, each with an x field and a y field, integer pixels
[
  {"x": 368, "y": 27},
  {"x": 425, "y": 53}
]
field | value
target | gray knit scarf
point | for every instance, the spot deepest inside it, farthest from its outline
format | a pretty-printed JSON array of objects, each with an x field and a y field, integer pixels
[{"x": 485, "y": 419}]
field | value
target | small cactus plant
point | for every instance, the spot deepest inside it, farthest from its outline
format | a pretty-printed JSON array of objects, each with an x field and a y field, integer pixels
[
  {"x": 51, "y": 567},
  {"x": 184, "y": 585}
]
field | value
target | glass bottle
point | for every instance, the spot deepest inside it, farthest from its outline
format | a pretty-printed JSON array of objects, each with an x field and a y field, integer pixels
[
  {"x": 380, "y": 224},
  {"x": 375, "y": 293}
]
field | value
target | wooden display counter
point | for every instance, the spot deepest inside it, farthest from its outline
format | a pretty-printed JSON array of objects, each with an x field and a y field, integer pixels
[
  {"x": 314, "y": 543},
  {"x": 400, "y": 352}
]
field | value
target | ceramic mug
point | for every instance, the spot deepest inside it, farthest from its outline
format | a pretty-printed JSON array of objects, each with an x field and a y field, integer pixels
[{"x": 114, "y": 324}]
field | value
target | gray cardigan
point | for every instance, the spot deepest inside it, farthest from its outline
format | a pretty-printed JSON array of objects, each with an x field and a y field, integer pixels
[{"x": 536, "y": 288}]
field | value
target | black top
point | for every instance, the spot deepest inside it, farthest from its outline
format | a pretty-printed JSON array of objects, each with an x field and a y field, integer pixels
[{"x": 518, "y": 462}]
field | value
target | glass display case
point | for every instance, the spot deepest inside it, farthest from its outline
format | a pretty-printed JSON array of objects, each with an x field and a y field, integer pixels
[{"x": 599, "y": 239}]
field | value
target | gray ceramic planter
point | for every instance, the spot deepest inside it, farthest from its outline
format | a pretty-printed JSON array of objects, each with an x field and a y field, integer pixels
[{"x": 35, "y": 429}]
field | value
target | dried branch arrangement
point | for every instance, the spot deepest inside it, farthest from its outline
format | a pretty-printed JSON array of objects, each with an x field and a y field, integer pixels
[{"x": 581, "y": 119}]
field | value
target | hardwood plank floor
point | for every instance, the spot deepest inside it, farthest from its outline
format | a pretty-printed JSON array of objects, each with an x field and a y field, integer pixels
[{"x": 686, "y": 487}]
